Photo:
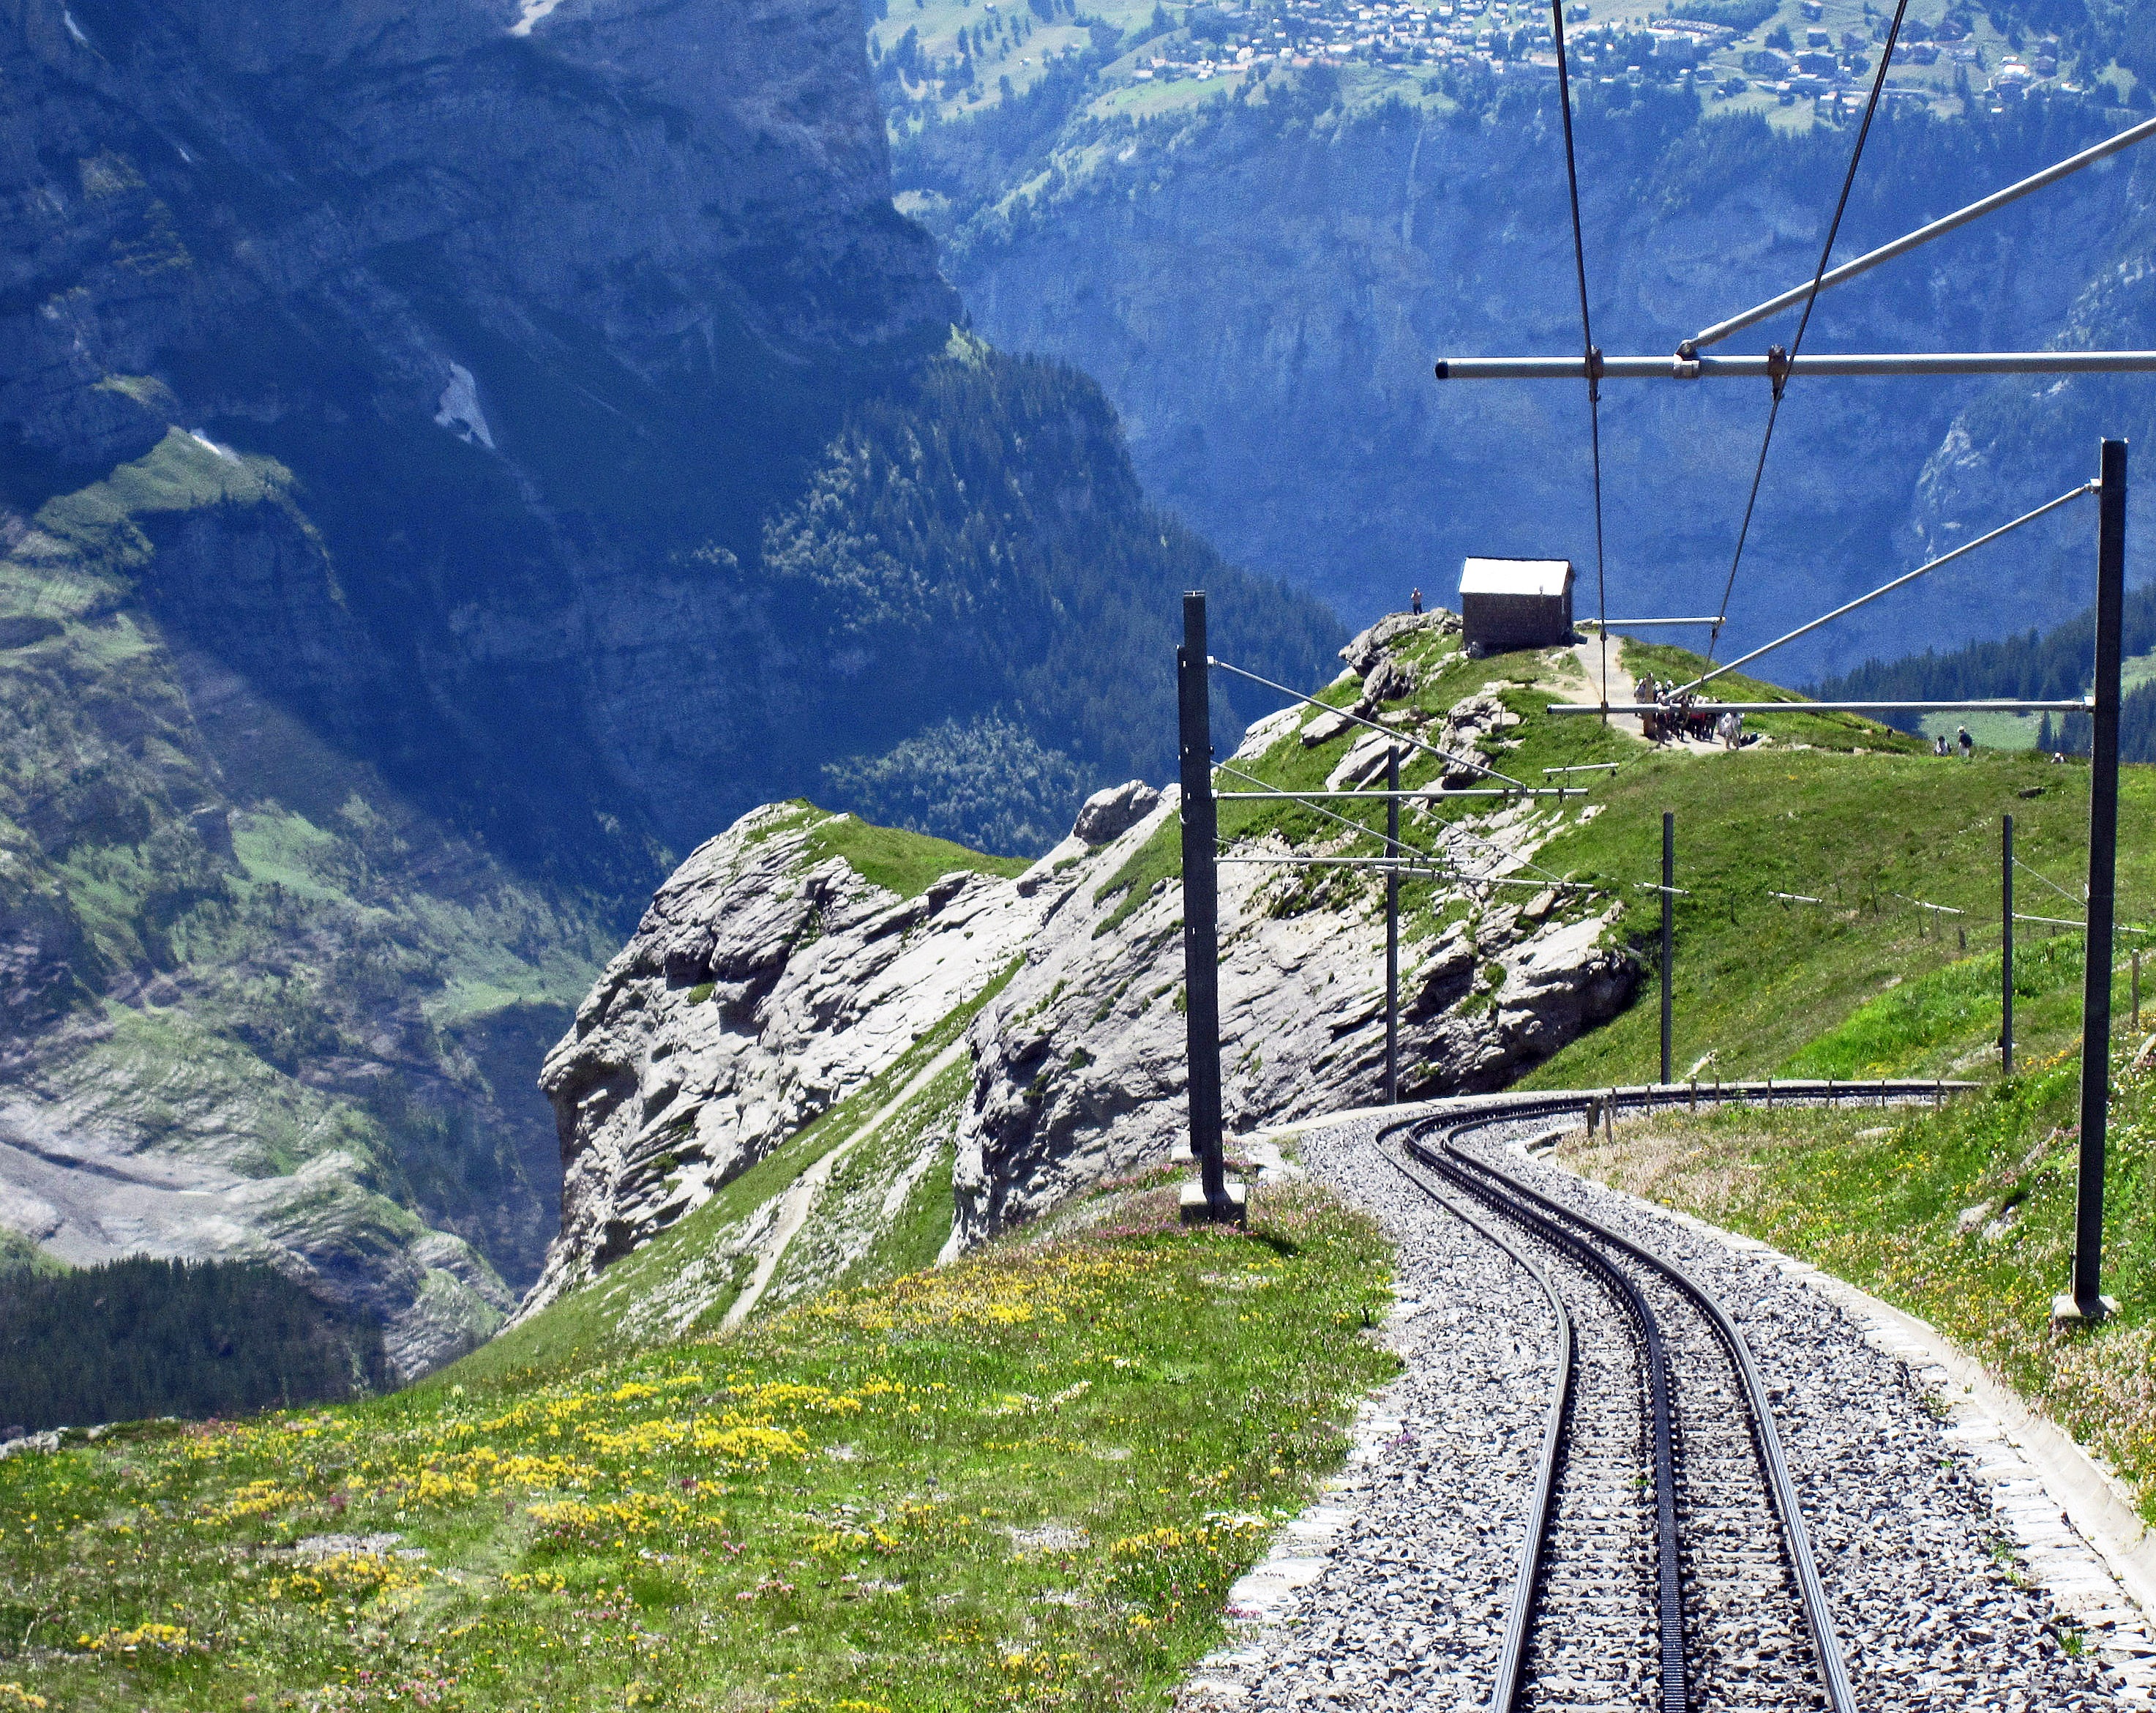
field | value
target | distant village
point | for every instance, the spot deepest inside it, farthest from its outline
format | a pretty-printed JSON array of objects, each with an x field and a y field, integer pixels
[
  {"x": 1814, "y": 64},
  {"x": 1758, "y": 54}
]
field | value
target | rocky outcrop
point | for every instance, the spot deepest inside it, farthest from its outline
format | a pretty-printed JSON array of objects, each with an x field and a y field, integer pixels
[
  {"x": 1113, "y": 811},
  {"x": 764, "y": 985},
  {"x": 1079, "y": 1063}
]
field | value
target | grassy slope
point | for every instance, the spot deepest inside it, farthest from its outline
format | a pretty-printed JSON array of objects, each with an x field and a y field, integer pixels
[
  {"x": 1757, "y": 981},
  {"x": 1027, "y": 1479},
  {"x": 1879, "y": 1199},
  {"x": 640, "y": 1298}
]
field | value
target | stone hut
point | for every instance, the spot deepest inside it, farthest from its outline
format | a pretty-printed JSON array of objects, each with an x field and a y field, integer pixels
[{"x": 1509, "y": 604}]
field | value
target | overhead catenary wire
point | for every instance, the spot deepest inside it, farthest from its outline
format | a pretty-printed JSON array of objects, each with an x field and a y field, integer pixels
[
  {"x": 1397, "y": 735},
  {"x": 1588, "y": 354},
  {"x": 1888, "y": 588},
  {"x": 1804, "y": 321},
  {"x": 1287, "y": 796}
]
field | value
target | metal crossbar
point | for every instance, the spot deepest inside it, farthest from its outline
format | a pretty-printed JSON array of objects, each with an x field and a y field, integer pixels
[
  {"x": 1643, "y": 623},
  {"x": 1907, "y": 577},
  {"x": 2062, "y": 922},
  {"x": 1399, "y": 865},
  {"x": 1421, "y": 793},
  {"x": 1388, "y": 731},
  {"x": 1772, "y": 367},
  {"x": 1315, "y": 808},
  {"x": 1816, "y": 707}
]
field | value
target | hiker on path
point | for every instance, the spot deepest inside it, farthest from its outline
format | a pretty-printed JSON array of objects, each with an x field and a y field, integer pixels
[{"x": 1651, "y": 724}]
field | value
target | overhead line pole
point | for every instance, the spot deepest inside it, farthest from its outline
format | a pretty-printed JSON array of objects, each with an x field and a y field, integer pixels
[
  {"x": 2006, "y": 960},
  {"x": 1669, "y": 907},
  {"x": 1201, "y": 913},
  {"x": 1392, "y": 931},
  {"x": 2085, "y": 1301}
]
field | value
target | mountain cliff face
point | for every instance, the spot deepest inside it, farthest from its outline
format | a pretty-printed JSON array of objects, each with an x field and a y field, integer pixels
[
  {"x": 449, "y": 455},
  {"x": 1261, "y": 282}
]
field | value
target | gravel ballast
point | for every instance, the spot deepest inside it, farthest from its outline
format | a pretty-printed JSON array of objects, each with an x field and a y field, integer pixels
[{"x": 1394, "y": 1591}]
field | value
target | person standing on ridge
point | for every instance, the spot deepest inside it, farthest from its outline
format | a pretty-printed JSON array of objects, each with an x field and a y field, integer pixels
[{"x": 1414, "y": 601}]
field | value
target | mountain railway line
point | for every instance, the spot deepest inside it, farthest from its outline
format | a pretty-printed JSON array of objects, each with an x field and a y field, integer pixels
[{"x": 1664, "y": 1561}]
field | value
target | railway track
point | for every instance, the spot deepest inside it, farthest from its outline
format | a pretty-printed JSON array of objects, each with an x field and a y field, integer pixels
[{"x": 1665, "y": 1563}]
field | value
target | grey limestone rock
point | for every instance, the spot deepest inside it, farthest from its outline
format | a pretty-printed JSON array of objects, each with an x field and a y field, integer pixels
[
  {"x": 1367, "y": 648},
  {"x": 764, "y": 986},
  {"x": 1109, "y": 813}
]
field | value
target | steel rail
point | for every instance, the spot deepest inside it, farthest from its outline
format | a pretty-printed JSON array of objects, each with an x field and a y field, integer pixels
[
  {"x": 1512, "y": 1655},
  {"x": 1924, "y": 234},
  {"x": 1772, "y": 368},
  {"x": 1661, "y": 1424},
  {"x": 1347, "y": 714},
  {"x": 1767, "y": 1439},
  {"x": 1888, "y": 588}
]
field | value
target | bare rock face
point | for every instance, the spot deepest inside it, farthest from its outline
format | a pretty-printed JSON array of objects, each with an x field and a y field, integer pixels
[
  {"x": 1079, "y": 1063},
  {"x": 1365, "y": 650},
  {"x": 1110, "y": 813},
  {"x": 763, "y": 986}
]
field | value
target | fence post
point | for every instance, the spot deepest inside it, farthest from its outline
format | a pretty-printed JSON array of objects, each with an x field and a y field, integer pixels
[
  {"x": 2085, "y": 1301},
  {"x": 2006, "y": 957},
  {"x": 1392, "y": 928},
  {"x": 1669, "y": 905},
  {"x": 1201, "y": 909}
]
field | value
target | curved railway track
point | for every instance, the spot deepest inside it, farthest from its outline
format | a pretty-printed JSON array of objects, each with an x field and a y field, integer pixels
[{"x": 1665, "y": 1562}]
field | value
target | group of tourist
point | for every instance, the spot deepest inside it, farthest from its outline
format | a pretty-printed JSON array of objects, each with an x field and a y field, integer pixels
[{"x": 1670, "y": 713}]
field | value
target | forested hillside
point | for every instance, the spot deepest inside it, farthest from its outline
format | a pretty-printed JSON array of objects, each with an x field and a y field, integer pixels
[
  {"x": 450, "y": 464},
  {"x": 140, "y": 1338},
  {"x": 2048, "y": 665}
]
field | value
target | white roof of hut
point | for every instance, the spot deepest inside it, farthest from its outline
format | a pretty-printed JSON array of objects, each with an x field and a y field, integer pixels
[{"x": 1541, "y": 576}]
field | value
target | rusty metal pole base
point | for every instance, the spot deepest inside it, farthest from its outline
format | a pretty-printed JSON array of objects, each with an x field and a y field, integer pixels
[
  {"x": 1195, "y": 1209},
  {"x": 2066, "y": 1312}
]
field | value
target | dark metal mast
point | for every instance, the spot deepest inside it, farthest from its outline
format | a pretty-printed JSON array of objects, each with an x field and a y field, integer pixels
[
  {"x": 2087, "y": 1301},
  {"x": 1201, "y": 904}
]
